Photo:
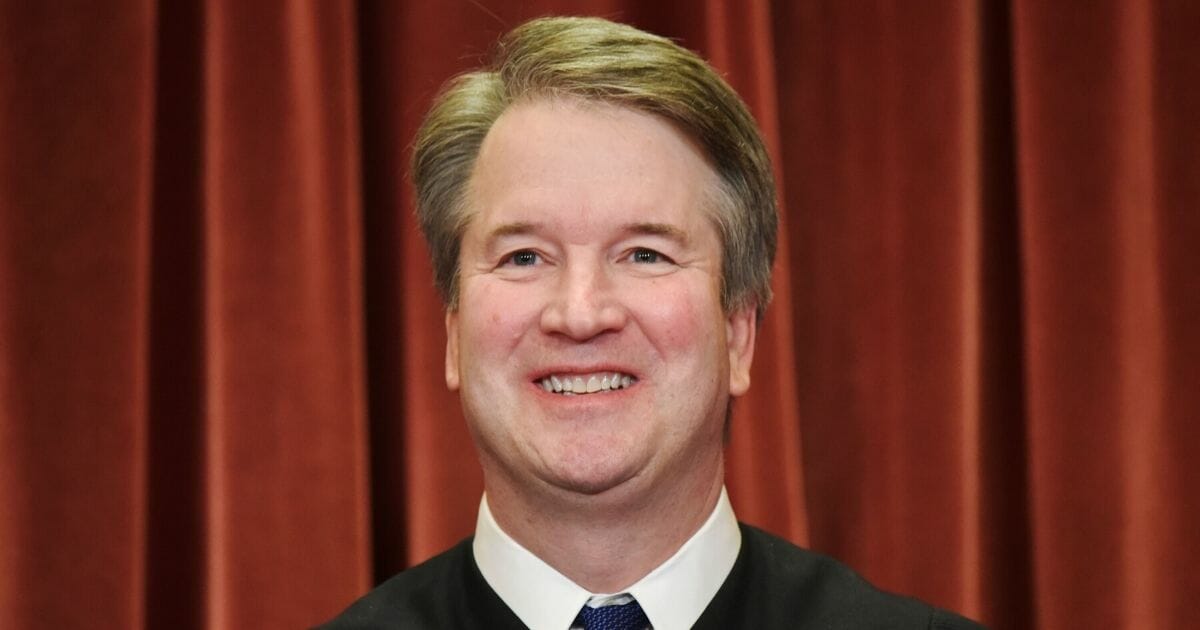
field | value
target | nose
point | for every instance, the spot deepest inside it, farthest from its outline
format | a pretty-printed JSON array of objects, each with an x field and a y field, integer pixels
[{"x": 584, "y": 304}]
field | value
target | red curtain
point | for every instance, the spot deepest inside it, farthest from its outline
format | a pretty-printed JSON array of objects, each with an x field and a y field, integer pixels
[{"x": 221, "y": 396}]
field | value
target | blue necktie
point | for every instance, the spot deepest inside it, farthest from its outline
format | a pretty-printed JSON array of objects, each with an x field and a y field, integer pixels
[{"x": 617, "y": 617}]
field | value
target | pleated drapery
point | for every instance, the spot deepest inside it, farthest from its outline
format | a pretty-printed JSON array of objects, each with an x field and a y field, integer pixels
[{"x": 221, "y": 391}]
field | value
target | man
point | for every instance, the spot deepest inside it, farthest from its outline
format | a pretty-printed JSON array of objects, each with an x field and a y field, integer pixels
[{"x": 601, "y": 214}]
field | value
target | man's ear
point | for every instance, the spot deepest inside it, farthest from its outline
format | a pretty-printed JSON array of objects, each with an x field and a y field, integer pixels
[
  {"x": 452, "y": 376},
  {"x": 742, "y": 326}
]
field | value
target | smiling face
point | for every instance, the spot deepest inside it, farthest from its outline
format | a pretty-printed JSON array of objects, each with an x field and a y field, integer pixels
[{"x": 589, "y": 344}]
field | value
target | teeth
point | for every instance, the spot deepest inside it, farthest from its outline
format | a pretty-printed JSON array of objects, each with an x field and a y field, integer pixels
[{"x": 586, "y": 384}]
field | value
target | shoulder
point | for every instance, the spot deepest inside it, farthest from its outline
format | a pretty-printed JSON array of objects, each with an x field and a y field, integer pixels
[
  {"x": 799, "y": 589},
  {"x": 419, "y": 597}
]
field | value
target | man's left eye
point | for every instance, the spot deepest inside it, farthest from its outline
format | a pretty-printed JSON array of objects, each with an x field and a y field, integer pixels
[{"x": 641, "y": 255}]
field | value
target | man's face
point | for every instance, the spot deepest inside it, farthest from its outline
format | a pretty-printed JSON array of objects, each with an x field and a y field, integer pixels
[{"x": 591, "y": 264}]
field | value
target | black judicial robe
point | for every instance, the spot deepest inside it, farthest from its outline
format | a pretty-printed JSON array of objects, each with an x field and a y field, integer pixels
[{"x": 774, "y": 585}]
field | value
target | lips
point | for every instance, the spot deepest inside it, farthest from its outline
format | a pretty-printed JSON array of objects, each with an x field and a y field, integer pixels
[{"x": 590, "y": 383}]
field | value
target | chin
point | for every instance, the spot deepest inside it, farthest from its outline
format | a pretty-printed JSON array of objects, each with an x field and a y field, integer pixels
[
  {"x": 590, "y": 486},
  {"x": 591, "y": 478}
]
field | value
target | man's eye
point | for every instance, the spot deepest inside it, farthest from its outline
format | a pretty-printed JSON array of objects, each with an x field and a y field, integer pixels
[
  {"x": 523, "y": 258},
  {"x": 646, "y": 256}
]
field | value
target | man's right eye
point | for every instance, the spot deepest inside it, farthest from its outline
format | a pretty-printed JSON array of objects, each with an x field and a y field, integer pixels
[{"x": 523, "y": 258}]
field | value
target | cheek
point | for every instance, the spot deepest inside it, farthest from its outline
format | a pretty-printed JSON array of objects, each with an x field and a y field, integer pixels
[
  {"x": 677, "y": 315},
  {"x": 495, "y": 316}
]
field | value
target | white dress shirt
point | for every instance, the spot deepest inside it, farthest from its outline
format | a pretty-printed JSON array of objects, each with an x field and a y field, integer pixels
[{"x": 673, "y": 595}]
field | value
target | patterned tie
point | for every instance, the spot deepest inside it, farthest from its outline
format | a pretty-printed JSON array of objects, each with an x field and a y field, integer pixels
[{"x": 618, "y": 617}]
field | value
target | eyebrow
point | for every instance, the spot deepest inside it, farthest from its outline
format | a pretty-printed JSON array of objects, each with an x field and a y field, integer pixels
[
  {"x": 664, "y": 230},
  {"x": 520, "y": 228},
  {"x": 507, "y": 229}
]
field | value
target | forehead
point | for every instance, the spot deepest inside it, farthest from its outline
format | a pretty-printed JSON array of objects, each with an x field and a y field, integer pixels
[{"x": 570, "y": 155}]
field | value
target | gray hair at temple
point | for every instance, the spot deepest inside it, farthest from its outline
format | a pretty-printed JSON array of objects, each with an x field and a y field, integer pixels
[{"x": 598, "y": 60}]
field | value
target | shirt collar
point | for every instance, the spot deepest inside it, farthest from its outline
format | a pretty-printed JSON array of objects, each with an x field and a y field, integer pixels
[{"x": 673, "y": 595}]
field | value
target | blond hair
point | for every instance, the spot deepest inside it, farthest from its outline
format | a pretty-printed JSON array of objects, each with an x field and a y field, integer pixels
[{"x": 594, "y": 59}]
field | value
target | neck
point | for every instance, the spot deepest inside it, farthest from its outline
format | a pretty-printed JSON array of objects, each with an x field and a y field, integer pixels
[{"x": 579, "y": 535}]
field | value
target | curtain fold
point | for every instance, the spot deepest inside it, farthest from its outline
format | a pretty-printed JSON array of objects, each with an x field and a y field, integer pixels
[
  {"x": 221, "y": 354},
  {"x": 1107, "y": 491},
  {"x": 76, "y": 120},
  {"x": 285, "y": 468},
  {"x": 885, "y": 153}
]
